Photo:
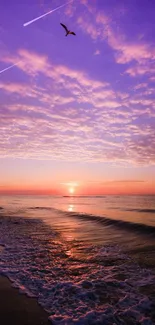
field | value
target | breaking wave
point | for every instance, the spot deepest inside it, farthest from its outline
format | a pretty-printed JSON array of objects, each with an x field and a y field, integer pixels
[
  {"x": 118, "y": 223},
  {"x": 106, "y": 221}
]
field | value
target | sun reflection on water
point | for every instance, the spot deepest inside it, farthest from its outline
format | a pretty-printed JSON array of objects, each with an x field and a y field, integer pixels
[{"x": 71, "y": 207}]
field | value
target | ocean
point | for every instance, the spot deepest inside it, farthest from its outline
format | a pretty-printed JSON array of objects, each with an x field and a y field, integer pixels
[{"x": 87, "y": 260}]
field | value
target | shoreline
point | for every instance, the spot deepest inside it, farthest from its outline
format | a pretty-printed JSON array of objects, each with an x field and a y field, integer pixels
[{"x": 18, "y": 308}]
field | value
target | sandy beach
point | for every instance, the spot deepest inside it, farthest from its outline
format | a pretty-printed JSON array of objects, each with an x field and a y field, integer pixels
[{"x": 17, "y": 309}]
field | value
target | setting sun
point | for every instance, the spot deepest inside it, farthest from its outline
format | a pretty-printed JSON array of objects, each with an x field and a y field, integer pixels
[{"x": 71, "y": 190}]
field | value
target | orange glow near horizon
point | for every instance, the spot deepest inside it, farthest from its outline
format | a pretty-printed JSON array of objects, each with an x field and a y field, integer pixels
[{"x": 85, "y": 188}]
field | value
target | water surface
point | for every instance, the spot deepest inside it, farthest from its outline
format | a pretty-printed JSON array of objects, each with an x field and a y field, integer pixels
[{"x": 88, "y": 260}]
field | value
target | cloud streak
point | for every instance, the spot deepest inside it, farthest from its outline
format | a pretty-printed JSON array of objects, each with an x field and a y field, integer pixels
[
  {"x": 47, "y": 13},
  {"x": 10, "y": 67}
]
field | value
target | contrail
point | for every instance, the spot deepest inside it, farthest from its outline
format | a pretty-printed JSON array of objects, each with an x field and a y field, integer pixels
[
  {"x": 11, "y": 66},
  {"x": 47, "y": 13}
]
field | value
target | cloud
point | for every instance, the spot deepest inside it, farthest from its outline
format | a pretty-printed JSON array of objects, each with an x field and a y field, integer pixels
[
  {"x": 100, "y": 27},
  {"x": 115, "y": 181},
  {"x": 70, "y": 9},
  {"x": 141, "y": 85},
  {"x": 71, "y": 116},
  {"x": 74, "y": 184},
  {"x": 127, "y": 181},
  {"x": 146, "y": 68},
  {"x": 131, "y": 52},
  {"x": 78, "y": 82},
  {"x": 88, "y": 26},
  {"x": 97, "y": 52},
  {"x": 152, "y": 78},
  {"x": 22, "y": 90}
]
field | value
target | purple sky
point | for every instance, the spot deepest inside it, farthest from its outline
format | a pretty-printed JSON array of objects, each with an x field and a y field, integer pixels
[{"x": 78, "y": 108}]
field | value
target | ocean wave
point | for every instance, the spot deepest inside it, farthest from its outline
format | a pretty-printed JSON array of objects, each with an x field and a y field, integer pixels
[
  {"x": 106, "y": 221},
  {"x": 73, "y": 291},
  {"x": 140, "y": 210},
  {"x": 40, "y": 208}
]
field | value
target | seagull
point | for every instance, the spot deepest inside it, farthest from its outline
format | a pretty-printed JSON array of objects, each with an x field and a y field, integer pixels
[{"x": 67, "y": 31}]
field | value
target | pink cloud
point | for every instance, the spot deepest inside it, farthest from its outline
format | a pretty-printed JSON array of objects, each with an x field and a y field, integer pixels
[
  {"x": 142, "y": 85},
  {"x": 70, "y": 10},
  {"x": 152, "y": 78},
  {"x": 96, "y": 131},
  {"x": 141, "y": 69},
  {"x": 78, "y": 82},
  {"x": 100, "y": 28},
  {"x": 97, "y": 52},
  {"x": 88, "y": 27},
  {"x": 23, "y": 90},
  {"x": 89, "y": 5},
  {"x": 132, "y": 52}
]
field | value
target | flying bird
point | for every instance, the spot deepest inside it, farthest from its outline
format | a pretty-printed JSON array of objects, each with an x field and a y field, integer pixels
[{"x": 67, "y": 31}]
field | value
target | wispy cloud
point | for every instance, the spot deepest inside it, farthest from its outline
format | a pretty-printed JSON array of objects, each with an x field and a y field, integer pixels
[
  {"x": 140, "y": 54},
  {"x": 97, "y": 52}
]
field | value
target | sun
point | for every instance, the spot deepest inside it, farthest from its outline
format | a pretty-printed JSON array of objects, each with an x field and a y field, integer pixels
[{"x": 71, "y": 190}]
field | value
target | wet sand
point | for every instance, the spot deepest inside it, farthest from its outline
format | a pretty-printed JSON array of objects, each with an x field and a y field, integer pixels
[{"x": 17, "y": 309}]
